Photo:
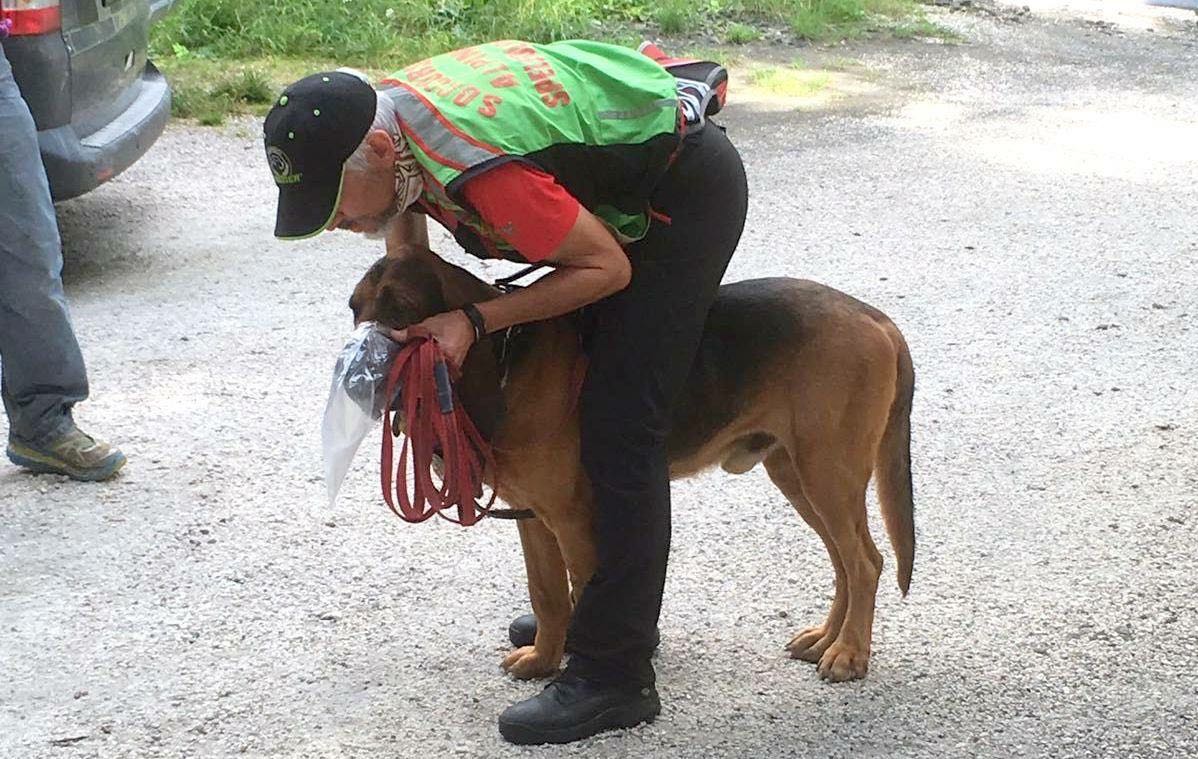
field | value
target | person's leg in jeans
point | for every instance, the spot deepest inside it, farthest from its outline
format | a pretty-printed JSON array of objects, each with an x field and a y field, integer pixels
[
  {"x": 643, "y": 346},
  {"x": 41, "y": 369}
]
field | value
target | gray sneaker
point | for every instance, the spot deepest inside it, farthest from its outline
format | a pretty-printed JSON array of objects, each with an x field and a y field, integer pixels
[{"x": 75, "y": 454}]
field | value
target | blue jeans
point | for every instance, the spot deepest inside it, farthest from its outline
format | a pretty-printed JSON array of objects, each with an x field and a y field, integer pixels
[{"x": 41, "y": 369}]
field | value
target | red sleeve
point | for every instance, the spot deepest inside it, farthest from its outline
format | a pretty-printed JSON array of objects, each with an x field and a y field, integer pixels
[{"x": 525, "y": 205}]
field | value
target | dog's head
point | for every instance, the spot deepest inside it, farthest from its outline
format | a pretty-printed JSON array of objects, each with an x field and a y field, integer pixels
[{"x": 400, "y": 290}]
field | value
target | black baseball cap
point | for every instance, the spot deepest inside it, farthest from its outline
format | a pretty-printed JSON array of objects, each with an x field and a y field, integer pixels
[{"x": 314, "y": 126}]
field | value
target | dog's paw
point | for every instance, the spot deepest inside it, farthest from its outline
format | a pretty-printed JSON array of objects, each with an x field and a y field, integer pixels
[
  {"x": 527, "y": 663},
  {"x": 843, "y": 662},
  {"x": 810, "y": 644}
]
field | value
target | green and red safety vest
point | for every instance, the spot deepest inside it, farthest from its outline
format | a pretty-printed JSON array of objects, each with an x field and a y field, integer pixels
[{"x": 601, "y": 119}]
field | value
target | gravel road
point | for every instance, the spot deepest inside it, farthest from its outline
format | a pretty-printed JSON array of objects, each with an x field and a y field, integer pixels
[{"x": 1022, "y": 204}]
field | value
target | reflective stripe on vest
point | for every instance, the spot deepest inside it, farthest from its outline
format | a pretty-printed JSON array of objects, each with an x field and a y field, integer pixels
[{"x": 433, "y": 134}]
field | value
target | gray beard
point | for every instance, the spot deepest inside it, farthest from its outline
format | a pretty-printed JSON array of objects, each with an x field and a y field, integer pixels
[
  {"x": 405, "y": 171},
  {"x": 386, "y": 224}
]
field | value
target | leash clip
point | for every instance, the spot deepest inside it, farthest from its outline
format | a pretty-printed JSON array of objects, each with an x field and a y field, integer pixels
[{"x": 444, "y": 386}]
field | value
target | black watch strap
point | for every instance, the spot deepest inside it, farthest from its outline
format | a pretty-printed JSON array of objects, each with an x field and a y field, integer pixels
[{"x": 476, "y": 318}]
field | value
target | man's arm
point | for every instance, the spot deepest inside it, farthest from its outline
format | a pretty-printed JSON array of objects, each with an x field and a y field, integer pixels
[
  {"x": 546, "y": 224},
  {"x": 408, "y": 229},
  {"x": 589, "y": 265},
  {"x": 542, "y": 220}
]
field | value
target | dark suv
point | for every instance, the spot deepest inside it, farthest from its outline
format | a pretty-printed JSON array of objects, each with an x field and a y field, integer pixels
[{"x": 98, "y": 101}]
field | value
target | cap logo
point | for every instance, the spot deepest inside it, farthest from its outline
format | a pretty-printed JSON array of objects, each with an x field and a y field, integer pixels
[{"x": 280, "y": 166}]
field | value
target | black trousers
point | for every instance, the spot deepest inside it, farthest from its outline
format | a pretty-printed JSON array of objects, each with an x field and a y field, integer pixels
[{"x": 642, "y": 343}]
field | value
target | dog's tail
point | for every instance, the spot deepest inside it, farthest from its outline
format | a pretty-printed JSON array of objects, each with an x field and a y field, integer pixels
[{"x": 893, "y": 467}]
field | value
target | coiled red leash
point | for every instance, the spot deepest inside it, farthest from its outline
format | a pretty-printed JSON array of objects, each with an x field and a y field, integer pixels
[{"x": 434, "y": 419}]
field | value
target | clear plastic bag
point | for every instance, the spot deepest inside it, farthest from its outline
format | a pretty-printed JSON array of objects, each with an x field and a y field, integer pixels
[{"x": 356, "y": 399}]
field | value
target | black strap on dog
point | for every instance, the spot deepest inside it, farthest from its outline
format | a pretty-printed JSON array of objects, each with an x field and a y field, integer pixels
[
  {"x": 508, "y": 283},
  {"x": 503, "y": 347},
  {"x": 512, "y": 514}
]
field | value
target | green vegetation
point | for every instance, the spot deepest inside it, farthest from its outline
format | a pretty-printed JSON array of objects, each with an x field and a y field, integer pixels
[
  {"x": 677, "y": 17},
  {"x": 729, "y": 59},
  {"x": 921, "y": 27},
  {"x": 790, "y": 82},
  {"x": 739, "y": 34},
  {"x": 231, "y": 56},
  {"x": 824, "y": 18}
]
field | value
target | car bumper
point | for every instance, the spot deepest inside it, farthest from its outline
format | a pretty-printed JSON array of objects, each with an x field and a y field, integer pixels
[{"x": 75, "y": 165}]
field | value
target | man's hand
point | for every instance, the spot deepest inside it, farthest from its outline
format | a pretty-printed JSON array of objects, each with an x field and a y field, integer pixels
[{"x": 453, "y": 332}]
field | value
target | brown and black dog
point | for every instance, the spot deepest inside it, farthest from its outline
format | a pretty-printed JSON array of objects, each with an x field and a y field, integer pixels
[{"x": 792, "y": 374}]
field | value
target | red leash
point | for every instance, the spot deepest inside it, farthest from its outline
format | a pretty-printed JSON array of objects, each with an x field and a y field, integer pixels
[{"x": 433, "y": 418}]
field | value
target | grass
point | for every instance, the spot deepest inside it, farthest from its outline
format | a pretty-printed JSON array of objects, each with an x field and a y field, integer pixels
[
  {"x": 823, "y": 18},
  {"x": 248, "y": 86},
  {"x": 922, "y": 28},
  {"x": 839, "y": 63},
  {"x": 835, "y": 20},
  {"x": 677, "y": 16},
  {"x": 790, "y": 82},
  {"x": 740, "y": 34},
  {"x": 232, "y": 56},
  {"x": 209, "y": 89},
  {"x": 209, "y": 104},
  {"x": 727, "y": 58}
]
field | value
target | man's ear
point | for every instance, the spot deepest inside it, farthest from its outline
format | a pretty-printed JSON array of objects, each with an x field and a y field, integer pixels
[{"x": 382, "y": 146}]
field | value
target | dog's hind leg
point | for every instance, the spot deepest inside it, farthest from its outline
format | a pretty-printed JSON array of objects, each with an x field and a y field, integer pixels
[
  {"x": 811, "y": 643},
  {"x": 550, "y": 595},
  {"x": 834, "y": 486}
]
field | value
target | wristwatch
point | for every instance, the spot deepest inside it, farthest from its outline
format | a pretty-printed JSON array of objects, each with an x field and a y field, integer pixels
[{"x": 476, "y": 319}]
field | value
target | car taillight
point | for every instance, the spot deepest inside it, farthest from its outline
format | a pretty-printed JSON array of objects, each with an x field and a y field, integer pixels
[{"x": 32, "y": 16}]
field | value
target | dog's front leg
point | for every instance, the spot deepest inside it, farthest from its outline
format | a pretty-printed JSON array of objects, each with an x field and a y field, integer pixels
[{"x": 550, "y": 595}]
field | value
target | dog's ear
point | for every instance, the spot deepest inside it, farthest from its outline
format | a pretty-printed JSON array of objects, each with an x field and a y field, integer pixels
[
  {"x": 460, "y": 286},
  {"x": 479, "y": 387},
  {"x": 365, "y": 294},
  {"x": 399, "y": 303}
]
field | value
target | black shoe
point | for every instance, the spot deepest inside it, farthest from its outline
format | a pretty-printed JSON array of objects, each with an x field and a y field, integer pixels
[
  {"x": 572, "y": 708},
  {"x": 523, "y": 631}
]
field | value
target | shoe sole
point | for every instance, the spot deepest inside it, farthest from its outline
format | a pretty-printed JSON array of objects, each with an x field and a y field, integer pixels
[
  {"x": 40, "y": 464},
  {"x": 616, "y": 718}
]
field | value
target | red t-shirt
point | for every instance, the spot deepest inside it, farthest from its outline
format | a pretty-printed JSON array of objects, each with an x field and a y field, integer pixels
[{"x": 525, "y": 205}]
